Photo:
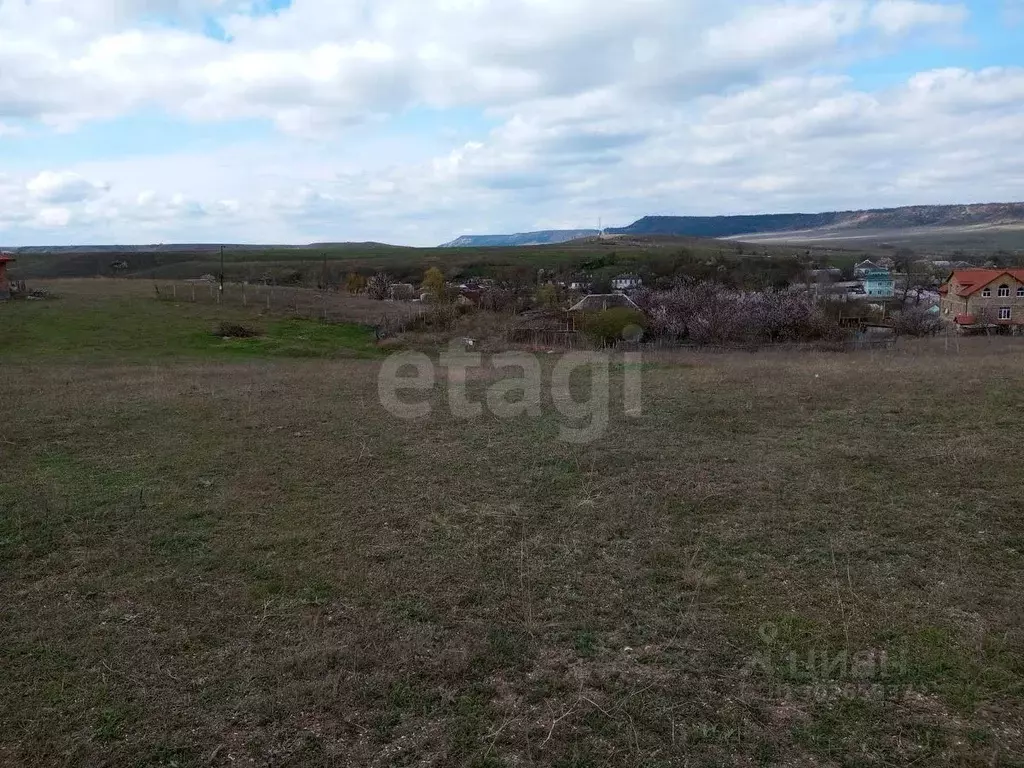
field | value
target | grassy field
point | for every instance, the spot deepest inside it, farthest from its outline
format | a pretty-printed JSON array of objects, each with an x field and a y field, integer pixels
[
  {"x": 940, "y": 241},
  {"x": 235, "y": 557},
  {"x": 307, "y": 265},
  {"x": 119, "y": 320}
]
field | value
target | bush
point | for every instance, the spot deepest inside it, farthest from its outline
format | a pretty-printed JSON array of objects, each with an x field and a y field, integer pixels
[
  {"x": 434, "y": 285},
  {"x": 379, "y": 286},
  {"x": 355, "y": 283},
  {"x": 439, "y": 317},
  {"x": 917, "y": 321},
  {"x": 235, "y": 331},
  {"x": 707, "y": 312},
  {"x": 506, "y": 298},
  {"x": 547, "y": 296},
  {"x": 611, "y": 325}
]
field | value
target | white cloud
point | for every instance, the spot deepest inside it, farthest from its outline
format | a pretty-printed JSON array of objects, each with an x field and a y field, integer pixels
[
  {"x": 63, "y": 187},
  {"x": 610, "y": 109},
  {"x": 795, "y": 143},
  {"x": 899, "y": 16},
  {"x": 320, "y": 63},
  {"x": 49, "y": 218},
  {"x": 965, "y": 89},
  {"x": 784, "y": 30}
]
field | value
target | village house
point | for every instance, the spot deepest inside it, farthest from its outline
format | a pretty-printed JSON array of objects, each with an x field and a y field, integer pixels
[
  {"x": 580, "y": 283},
  {"x": 626, "y": 282},
  {"x": 5, "y": 285},
  {"x": 984, "y": 296},
  {"x": 862, "y": 268},
  {"x": 879, "y": 284}
]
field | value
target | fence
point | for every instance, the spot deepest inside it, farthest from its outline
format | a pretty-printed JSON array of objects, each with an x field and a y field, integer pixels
[
  {"x": 326, "y": 305},
  {"x": 577, "y": 340},
  {"x": 546, "y": 338}
]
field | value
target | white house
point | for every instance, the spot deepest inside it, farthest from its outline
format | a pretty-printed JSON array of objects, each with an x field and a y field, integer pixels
[
  {"x": 626, "y": 282},
  {"x": 580, "y": 283}
]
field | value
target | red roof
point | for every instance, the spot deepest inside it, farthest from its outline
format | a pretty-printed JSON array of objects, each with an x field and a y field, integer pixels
[
  {"x": 973, "y": 280},
  {"x": 966, "y": 320}
]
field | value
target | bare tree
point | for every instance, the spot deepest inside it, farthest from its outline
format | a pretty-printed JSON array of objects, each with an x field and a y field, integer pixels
[
  {"x": 710, "y": 313},
  {"x": 379, "y": 286}
]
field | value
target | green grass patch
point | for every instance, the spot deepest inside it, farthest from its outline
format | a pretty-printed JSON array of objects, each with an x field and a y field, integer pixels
[
  {"x": 298, "y": 338},
  {"x": 133, "y": 330}
]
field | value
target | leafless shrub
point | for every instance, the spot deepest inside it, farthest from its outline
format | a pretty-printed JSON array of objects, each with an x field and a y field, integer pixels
[
  {"x": 710, "y": 313},
  {"x": 917, "y": 321},
  {"x": 439, "y": 317},
  {"x": 379, "y": 286},
  {"x": 506, "y": 298}
]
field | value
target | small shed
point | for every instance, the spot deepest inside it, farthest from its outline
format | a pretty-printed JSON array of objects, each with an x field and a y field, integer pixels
[
  {"x": 548, "y": 327},
  {"x": 5, "y": 283}
]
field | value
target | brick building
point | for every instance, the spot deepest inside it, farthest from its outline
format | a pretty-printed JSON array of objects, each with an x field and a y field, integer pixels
[
  {"x": 5, "y": 284},
  {"x": 989, "y": 296}
]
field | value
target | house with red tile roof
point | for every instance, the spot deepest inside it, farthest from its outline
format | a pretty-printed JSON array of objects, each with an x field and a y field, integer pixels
[
  {"x": 984, "y": 296},
  {"x": 5, "y": 284}
]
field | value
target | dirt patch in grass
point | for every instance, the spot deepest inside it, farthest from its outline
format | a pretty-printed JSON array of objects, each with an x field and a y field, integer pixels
[{"x": 236, "y": 331}]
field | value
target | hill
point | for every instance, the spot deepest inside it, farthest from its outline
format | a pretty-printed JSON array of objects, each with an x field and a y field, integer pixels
[
  {"x": 308, "y": 264},
  {"x": 988, "y": 225},
  {"x": 545, "y": 237}
]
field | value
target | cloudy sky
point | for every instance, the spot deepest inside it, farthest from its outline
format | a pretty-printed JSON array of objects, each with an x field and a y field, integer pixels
[{"x": 414, "y": 121}]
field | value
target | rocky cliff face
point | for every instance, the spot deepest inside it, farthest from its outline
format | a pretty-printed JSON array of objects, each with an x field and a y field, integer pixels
[
  {"x": 912, "y": 217},
  {"x": 881, "y": 218},
  {"x": 523, "y": 238}
]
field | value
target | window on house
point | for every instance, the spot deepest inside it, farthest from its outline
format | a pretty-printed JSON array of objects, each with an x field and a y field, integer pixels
[
  {"x": 1004, "y": 313},
  {"x": 1004, "y": 290},
  {"x": 987, "y": 292},
  {"x": 1020, "y": 292}
]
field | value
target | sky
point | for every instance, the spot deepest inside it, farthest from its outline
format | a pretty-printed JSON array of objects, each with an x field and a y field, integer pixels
[{"x": 416, "y": 121}]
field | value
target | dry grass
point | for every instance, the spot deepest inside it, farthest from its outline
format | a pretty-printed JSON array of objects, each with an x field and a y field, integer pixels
[
  {"x": 334, "y": 306},
  {"x": 251, "y": 563}
]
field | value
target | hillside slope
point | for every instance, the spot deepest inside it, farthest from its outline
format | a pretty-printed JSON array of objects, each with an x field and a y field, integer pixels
[
  {"x": 911, "y": 217},
  {"x": 544, "y": 237},
  {"x": 919, "y": 219}
]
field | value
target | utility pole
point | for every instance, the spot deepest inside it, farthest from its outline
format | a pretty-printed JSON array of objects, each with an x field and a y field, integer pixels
[{"x": 222, "y": 269}]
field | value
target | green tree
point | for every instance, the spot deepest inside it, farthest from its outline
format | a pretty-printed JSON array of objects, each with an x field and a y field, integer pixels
[
  {"x": 547, "y": 295},
  {"x": 612, "y": 325},
  {"x": 355, "y": 283},
  {"x": 434, "y": 285}
]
